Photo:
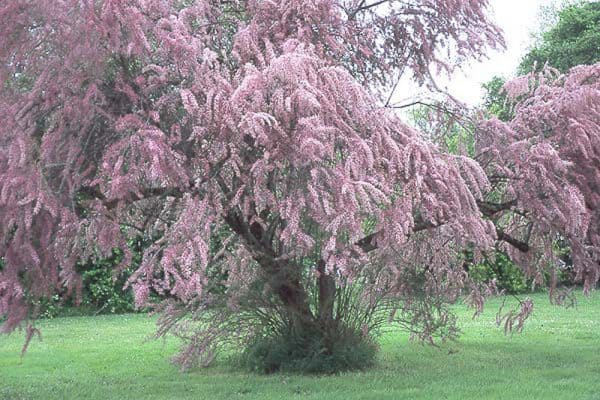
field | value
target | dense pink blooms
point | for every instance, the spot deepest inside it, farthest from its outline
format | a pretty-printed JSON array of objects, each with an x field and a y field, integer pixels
[{"x": 547, "y": 161}]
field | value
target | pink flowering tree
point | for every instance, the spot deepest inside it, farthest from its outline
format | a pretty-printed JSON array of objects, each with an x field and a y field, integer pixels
[
  {"x": 545, "y": 163},
  {"x": 249, "y": 142}
]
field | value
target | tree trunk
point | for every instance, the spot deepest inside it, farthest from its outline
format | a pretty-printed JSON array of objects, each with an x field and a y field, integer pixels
[
  {"x": 285, "y": 281},
  {"x": 296, "y": 302},
  {"x": 287, "y": 285},
  {"x": 326, "y": 284}
]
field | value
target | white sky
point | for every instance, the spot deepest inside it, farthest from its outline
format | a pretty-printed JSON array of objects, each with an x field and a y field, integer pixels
[{"x": 518, "y": 19}]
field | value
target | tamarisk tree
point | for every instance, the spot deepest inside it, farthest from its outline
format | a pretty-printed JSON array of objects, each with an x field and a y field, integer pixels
[
  {"x": 249, "y": 143},
  {"x": 545, "y": 162}
]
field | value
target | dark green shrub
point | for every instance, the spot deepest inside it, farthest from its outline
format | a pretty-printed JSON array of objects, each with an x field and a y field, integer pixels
[
  {"x": 308, "y": 353},
  {"x": 103, "y": 289},
  {"x": 103, "y": 283},
  {"x": 102, "y": 292},
  {"x": 49, "y": 307},
  {"x": 508, "y": 276}
]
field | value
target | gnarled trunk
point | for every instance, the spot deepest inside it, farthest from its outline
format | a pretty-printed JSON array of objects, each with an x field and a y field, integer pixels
[{"x": 287, "y": 284}]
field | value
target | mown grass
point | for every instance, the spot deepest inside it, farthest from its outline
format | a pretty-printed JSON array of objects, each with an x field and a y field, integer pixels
[{"x": 107, "y": 357}]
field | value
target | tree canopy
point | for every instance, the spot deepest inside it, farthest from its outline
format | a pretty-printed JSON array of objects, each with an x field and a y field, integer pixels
[
  {"x": 570, "y": 41},
  {"x": 574, "y": 40},
  {"x": 249, "y": 143}
]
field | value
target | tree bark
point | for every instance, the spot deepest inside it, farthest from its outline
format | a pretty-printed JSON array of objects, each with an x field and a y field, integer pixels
[
  {"x": 326, "y": 284},
  {"x": 285, "y": 282}
]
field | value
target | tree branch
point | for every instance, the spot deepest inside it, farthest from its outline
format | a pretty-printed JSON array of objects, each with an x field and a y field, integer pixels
[
  {"x": 487, "y": 208},
  {"x": 362, "y": 6},
  {"x": 95, "y": 193},
  {"x": 367, "y": 243},
  {"x": 516, "y": 243},
  {"x": 490, "y": 209}
]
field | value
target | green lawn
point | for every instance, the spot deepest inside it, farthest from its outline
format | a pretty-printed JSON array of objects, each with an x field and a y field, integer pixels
[{"x": 107, "y": 357}]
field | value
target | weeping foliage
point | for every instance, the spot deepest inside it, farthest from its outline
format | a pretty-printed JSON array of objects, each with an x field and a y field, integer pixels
[{"x": 246, "y": 142}]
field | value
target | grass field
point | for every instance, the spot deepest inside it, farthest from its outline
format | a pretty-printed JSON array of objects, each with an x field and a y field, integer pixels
[{"x": 107, "y": 357}]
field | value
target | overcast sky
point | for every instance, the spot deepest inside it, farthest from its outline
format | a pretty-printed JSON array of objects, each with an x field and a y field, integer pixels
[{"x": 518, "y": 19}]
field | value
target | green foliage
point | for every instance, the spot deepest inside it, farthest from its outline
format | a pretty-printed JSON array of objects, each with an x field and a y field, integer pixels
[
  {"x": 508, "y": 276},
  {"x": 574, "y": 40},
  {"x": 103, "y": 286},
  {"x": 102, "y": 292},
  {"x": 445, "y": 127},
  {"x": 460, "y": 142},
  {"x": 103, "y": 281},
  {"x": 495, "y": 101},
  {"x": 49, "y": 307},
  {"x": 310, "y": 353}
]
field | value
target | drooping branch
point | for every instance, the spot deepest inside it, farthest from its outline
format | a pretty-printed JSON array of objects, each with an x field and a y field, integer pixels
[
  {"x": 489, "y": 209},
  {"x": 94, "y": 192},
  {"x": 367, "y": 244},
  {"x": 518, "y": 244}
]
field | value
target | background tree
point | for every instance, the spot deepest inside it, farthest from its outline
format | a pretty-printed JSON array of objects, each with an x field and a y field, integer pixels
[
  {"x": 572, "y": 39},
  {"x": 248, "y": 142}
]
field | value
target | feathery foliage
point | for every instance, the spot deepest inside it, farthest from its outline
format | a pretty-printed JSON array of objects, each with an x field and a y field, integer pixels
[{"x": 248, "y": 143}]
